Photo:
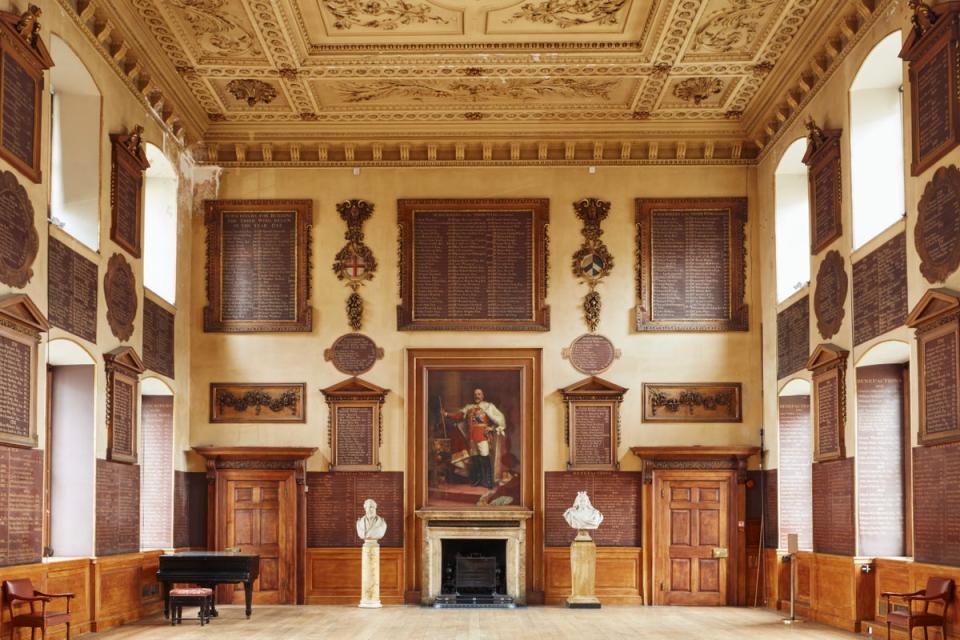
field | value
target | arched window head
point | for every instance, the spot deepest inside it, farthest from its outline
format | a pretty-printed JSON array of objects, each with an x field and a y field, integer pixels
[
  {"x": 160, "y": 226},
  {"x": 876, "y": 141},
  {"x": 792, "y": 221}
]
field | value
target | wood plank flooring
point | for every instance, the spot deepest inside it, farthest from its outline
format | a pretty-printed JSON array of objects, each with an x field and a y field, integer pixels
[{"x": 534, "y": 623}]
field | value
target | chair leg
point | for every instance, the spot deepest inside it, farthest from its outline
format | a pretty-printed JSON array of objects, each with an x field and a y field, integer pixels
[
  {"x": 68, "y": 631},
  {"x": 925, "y": 636}
]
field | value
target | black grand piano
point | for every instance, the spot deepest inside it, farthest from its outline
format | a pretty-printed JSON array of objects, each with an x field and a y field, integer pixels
[{"x": 208, "y": 568}]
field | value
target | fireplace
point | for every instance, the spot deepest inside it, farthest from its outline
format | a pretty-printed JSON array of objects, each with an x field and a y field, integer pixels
[{"x": 473, "y": 571}]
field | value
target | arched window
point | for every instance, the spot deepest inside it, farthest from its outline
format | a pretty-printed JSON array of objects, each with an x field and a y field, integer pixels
[
  {"x": 792, "y": 221},
  {"x": 160, "y": 226},
  {"x": 156, "y": 465},
  {"x": 795, "y": 475},
  {"x": 75, "y": 157},
  {"x": 876, "y": 141}
]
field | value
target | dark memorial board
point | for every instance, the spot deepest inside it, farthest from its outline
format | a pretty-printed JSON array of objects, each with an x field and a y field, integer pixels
[
  {"x": 72, "y": 289},
  {"x": 939, "y": 364},
  {"x": 592, "y": 440},
  {"x": 692, "y": 269},
  {"x": 936, "y": 504},
  {"x": 17, "y": 378},
  {"x": 937, "y": 232},
  {"x": 833, "y": 507},
  {"x": 771, "y": 514},
  {"x": 234, "y": 402},
  {"x": 353, "y": 354},
  {"x": 591, "y": 353},
  {"x": 24, "y": 59},
  {"x": 19, "y": 241},
  {"x": 830, "y": 294},
  {"x": 473, "y": 265},
  {"x": 123, "y": 408},
  {"x": 793, "y": 337},
  {"x": 156, "y": 458},
  {"x": 128, "y": 162},
  {"x": 794, "y": 475},
  {"x": 189, "y": 509},
  {"x": 880, "y": 452},
  {"x": 355, "y": 424},
  {"x": 335, "y": 501},
  {"x": 355, "y": 435},
  {"x": 123, "y": 367},
  {"x": 706, "y": 402},
  {"x": 616, "y": 494},
  {"x": 258, "y": 266},
  {"x": 933, "y": 70},
  {"x": 120, "y": 293},
  {"x": 828, "y": 431},
  {"x": 21, "y": 505},
  {"x": 118, "y": 508},
  {"x": 158, "y": 338},
  {"x": 880, "y": 290},
  {"x": 825, "y": 188}
]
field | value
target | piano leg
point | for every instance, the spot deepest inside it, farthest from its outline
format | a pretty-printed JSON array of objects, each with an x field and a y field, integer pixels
[
  {"x": 248, "y": 596},
  {"x": 213, "y": 601},
  {"x": 165, "y": 586}
]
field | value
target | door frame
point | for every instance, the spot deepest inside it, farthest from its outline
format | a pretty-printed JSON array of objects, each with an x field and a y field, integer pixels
[{"x": 736, "y": 532}]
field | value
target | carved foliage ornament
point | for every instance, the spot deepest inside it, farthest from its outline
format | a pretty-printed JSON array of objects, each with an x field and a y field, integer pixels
[
  {"x": 696, "y": 90},
  {"x": 355, "y": 263},
  {"x": 253, "y": 91},
  {"x": 29, "y": 25},
  {"x": 476, "y": 89},
  {"x": 19, "y": 241},
  {"x": 924, "y": 17},
  {"x": 732, "y": 28},
  {"x": 592, "y": 262},
  {"x": 386, "y": 15},
  {"x": 570, "y": 13},
  {"x": 217, "y": 31}
]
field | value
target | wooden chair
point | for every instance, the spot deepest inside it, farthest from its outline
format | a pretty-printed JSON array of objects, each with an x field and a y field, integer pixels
[
  {"x": 938, "y": 591},
  {"x": 22, "y": 590}
]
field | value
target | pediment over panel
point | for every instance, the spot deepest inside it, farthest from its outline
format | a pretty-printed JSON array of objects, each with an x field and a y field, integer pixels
[
  {"x": 125, "y": 357},
  {"x": 934, "y": 304},
  {"x": 593, "y": 386},
  {"x": 20, "y": 309},
  {"x": 826, "y": 354},
  {"x": 354, "y": 387}
]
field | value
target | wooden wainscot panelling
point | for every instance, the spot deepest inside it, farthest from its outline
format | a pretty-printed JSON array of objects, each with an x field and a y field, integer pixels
[
  {"x": 71, "y": 576},
  {"x": 773, "y": 567},
  {"x": 619, "y": 575},
  {"x": 906, "y": 576},
  {"x": 834, "y": 590},
  {"x": 117, "y": 590},
  {"x": 333, "y": 576}
]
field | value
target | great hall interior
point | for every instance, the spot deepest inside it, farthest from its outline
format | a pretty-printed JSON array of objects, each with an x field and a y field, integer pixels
[{"x": 468, "y": 318}]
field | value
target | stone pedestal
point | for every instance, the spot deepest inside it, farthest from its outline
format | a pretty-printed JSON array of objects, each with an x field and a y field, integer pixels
[
  {"x": 583, "y": 573},
  {"x": 370, "y": 566}
]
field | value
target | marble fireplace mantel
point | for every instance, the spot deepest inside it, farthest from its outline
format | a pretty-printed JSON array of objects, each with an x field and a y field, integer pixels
[{"x": 509, "y": 525}]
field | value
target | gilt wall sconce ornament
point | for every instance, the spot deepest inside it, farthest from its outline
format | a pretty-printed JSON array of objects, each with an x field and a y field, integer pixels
[
  {"x": 355, "y": 263},
  {"x": 592, "y": 262}
]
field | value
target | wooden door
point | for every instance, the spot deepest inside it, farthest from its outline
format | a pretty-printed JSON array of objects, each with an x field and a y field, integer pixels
[
  {"x": 692, "y": 542},
  {"x": 260, "y": 514}
]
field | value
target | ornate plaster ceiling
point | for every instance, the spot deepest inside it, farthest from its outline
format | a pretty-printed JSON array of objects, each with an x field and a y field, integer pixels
[{"x": 269, "y": 71}]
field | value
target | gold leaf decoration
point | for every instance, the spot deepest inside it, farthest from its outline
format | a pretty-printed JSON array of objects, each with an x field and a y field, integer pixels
[
  {"x": 731, "y": 28},
  {"x": 696, "y": 90},
  {"x": 570, "y": 13},
  {"x": 386, "y": 15},
  {"x": 252, "y": 91},
  {"x": 479, "y": 90},
  {"x": 216, "y": 30}
]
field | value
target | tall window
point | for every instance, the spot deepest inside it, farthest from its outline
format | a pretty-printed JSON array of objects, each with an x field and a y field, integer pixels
[
  {"x": 795, "y": 475},
  {"x": 156, "y": 465},
  {"x": 792, "y": 220},
  {"x": 160, "y": 226},
  {"x": 876, "y": 141},
  {"x": 75, "y": 158}
]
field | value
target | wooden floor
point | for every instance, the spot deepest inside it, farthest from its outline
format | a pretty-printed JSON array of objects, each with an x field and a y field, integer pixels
[{"x": 534, "y": 623}]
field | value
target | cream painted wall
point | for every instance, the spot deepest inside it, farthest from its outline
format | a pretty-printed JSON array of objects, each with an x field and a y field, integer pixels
[
  {"x": 646, "y": 357},
  {"x": 120, "y": 110}
]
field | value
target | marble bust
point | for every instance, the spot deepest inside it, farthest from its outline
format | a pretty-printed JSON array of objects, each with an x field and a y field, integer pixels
[
  {"x": 582, "y": 515},
  {"x": 370, "y": 526}
]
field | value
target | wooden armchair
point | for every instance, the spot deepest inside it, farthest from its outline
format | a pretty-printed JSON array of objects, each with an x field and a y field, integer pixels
[
  {"x": 22, "y": 591},
  {"x": 938, "y": 591}
]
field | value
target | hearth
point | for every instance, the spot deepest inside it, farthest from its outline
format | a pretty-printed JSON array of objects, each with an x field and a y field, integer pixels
[{"x": 473, "y": 573}]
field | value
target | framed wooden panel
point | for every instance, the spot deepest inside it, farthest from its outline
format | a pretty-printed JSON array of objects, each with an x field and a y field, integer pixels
[
  {"x": 128, "y": 162},
  {"x": 159, "y": 346},
  {"x": 19, "y": 241},
  {"x": 24, "y": 59},
  {"x": 118, "y": 508},
  {"x": 592, "y": 411},
  {"x": 936, "y": 234},
  {"x": 258, "y": 266},
  {"x": 933, "y": 66},
  {"x": 834, "y": 508},
  {"x": 830, "y": 294},
  {"x": 355, "y": 424},
  {"x": 829, "y": 364},
  {"x": 335, "y": 501},
  {"x": 473, "y": 265},
  {"x": 72, "y": 291},
  {"x": 826, "y": 188},
  {"x": 21, "y": 324},
  {"x": 692, "y": 402},
  {"x": 936, "y": 500},
  {"x": 936, "y": 317},
  {"x": 793, "y": 337},
  {"x": 21, "y": 506},
  {"x": 691, "y": 290},
  {"x": 616, "y": 494},
  {"x": 120, "y": 293},
  {"x": 880, "y": 290},
  {"x": 238, "y": 402},
  {"x": 123, "y": 367}
]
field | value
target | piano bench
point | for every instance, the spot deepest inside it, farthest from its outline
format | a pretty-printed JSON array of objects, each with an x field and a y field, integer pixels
[{"x": 193, "y": 596}]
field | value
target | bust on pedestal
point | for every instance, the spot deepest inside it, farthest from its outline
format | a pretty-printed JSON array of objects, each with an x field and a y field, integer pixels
[
  {"x": 583, "y": 517},
  {"x": 370, "y": 528}
]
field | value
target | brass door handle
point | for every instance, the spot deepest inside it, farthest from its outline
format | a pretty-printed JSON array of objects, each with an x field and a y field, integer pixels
[{"x": 720, "y": 552}]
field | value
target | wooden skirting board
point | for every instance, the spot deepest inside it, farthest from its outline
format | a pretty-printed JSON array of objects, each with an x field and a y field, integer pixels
[
  {"x": 109, "y": 590},
  {"x": 332, "y": 576},
  {"x": 619, "y": 575}
]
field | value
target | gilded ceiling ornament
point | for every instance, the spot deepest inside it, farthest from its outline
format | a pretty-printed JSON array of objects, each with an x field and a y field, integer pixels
[
  {"x": 29, "y": 25},
  {"x": 923, "y": 17},
  {"x": 480, "y": 90},
  {"x": 217, "y": 31},
  {"x": 731, "y": 28},
  {"x": 696, "y": 90},
  {"x": 253, "y": 91},
  {"x": 387, "y": 15},
  {"x": 473, "y": 115},
  {"x": 355, "y": 263},
  {"x": 570, "y": 13},
  {"x": 592, "y": 262}
]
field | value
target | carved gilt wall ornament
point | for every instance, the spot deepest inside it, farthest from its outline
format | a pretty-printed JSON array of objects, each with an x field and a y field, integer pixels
[
  {"x": 217, "y": 31},
  {"x": 380, "y": 14},
  {"x": 252, "y": 91},
  {"x": 696, "y": 90},
  {"x": 234, "y": 402},
  {"x": 731, "y": 28},
  {"x": 355, "y": 263},
  {"x": 570, "y": 13},
  {"x": 476, "y": 90},
  {"x": 120, "y": 293},
  {"x": 592, "y": 262},
  {"x": 29, "y": 25},
  {"x": 924, "y": 17},
  {"x": 19, "y": 241}
]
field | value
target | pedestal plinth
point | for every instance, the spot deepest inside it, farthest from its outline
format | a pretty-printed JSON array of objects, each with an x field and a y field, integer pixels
[
  {"x": 583, "y": 573},
  {"x": 370, "y": 566}
]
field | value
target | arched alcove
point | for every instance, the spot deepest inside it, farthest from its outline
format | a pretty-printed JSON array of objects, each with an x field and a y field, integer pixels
[
  {"x": 156, "y": 464},
  {"x": 795, "y": 473},
  {"x": 792, "y": 221}
]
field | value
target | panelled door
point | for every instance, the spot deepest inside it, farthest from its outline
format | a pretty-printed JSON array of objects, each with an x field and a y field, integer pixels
[
  {"x": 692, "y": 541},
  {"x": 259, "y": 518}
]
